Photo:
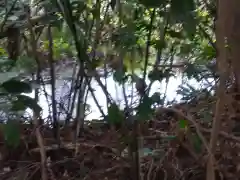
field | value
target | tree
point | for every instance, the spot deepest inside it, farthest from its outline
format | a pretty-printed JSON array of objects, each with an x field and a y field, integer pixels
[
  {"x": 227, "y": 59},
  {"x": 137, "y": 43}
]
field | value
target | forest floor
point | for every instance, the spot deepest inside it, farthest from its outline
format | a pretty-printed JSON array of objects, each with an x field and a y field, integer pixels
[{"x": 172, "y": 146}]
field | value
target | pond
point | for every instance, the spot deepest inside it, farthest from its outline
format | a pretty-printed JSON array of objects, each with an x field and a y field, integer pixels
[
  {"x": 115, "y": 91},
  {"x": 64, "y": 74}
]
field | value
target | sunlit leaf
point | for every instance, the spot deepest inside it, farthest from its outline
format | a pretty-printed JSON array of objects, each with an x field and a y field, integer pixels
[{"x": 183, "y": 124}]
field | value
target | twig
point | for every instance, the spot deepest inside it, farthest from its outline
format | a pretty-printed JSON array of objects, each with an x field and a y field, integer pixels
[
  {"x": 53, "y": 85},
  {"x": 153, "y": 14},
  {"x": 221, "y": 35},
  {"x": 150, "y": 170},
  {"x": 7, "y": 14},
  {"x": 195, "y": 124},
  {"x": 162, "y": 33},
  {"x": 95, "y": 99}
]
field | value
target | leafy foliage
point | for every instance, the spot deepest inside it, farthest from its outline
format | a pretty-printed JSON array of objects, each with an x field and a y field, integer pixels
[
  {"x": 115, "y": 115},
  {"x": 16, "y": 87},
  {"x": 156, "y": 40},
  {"x": 11, "y": 133},
  {"x": 144, "y": 110},
  {"x": 23, "y": 102}
]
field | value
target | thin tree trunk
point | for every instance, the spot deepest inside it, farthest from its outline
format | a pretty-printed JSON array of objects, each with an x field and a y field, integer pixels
[
  {"x": 53, "y": 87},
  {"x": 228, "y": 45}
]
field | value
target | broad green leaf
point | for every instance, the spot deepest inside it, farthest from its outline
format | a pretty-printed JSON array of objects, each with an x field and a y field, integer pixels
[
  {"x": 2, "y": 51},
  {"x": 185, "y": 49},
  {"x": 11, "y": 133},
  {"x": 183, "y": 12},
  {"x": 159, "y": 44},
  {"x": 144, "y": 110},
  {"x": 197, "y": 143},
  {"x": 190, "y": 26},
  {"x": 156, "y": 75},
  {"x": 175, "y": 34},
  {"x": 18, "y": 106},
  {"x": 131, "y": 61},
  {"x": 24, "y": 102},
  {"x": 181, "y": 9},
  {"x": 120, "y": 75},
  {"x": 209, "y": 52},
  {"x": 156, "y": 98},
  {"x": 159, "y": 75},
  {"x": 183, "y": 124},
  {"x": 115, "y": 115},
  {"x": 16, "y": 87}
]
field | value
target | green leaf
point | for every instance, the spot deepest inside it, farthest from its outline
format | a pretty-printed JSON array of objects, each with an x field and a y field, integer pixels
[
  {"x": 11, "y": 133},
  {"x": 175, "y": 34},
  {"x": 159, "y": 75},
  {"x": 181, "y": 9},
  {"x": 114, "y": 116},
  {"x": 156, "y": 98},
  {"x": 183, "y": 12},
  {"x": 23, "y": 102},
  {"x": 159, "y": 44},
  {"x": 209, "y": 52},
  {"x": 156, "y": 75},
  {"x": 183, "y": 124},
  {"x": 190, "y": 26},
  {"x": 18, "y": 106},
  {"x": 197, "y": 143},
  {"x": 192, "y": 71},
  {"x": 185, "y": 49},
  {"x": 120, "y": 75},
  {"x": 3, "y": 52},
  {"x": 153, "y": 3},
  {"x": 144, "y": 110},
  {"x": 16, "y": 87}
]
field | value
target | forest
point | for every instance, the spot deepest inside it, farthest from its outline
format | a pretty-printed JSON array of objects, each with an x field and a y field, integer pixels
[{"x": 119, "y": 90}]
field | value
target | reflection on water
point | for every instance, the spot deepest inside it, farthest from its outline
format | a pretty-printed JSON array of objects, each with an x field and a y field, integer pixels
[
  {"x": 64, "y": 74},
  {"x": 114, "y": 89}
]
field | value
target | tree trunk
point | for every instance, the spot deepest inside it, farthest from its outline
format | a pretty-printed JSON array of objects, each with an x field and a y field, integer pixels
[{"x": 228, "y": 53}]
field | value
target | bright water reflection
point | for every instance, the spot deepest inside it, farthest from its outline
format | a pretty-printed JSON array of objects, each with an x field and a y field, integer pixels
[{"x": 115, "y": 91}]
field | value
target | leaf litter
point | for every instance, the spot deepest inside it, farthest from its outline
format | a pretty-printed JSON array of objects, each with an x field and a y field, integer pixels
[{"x": 171, "y": 146}]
